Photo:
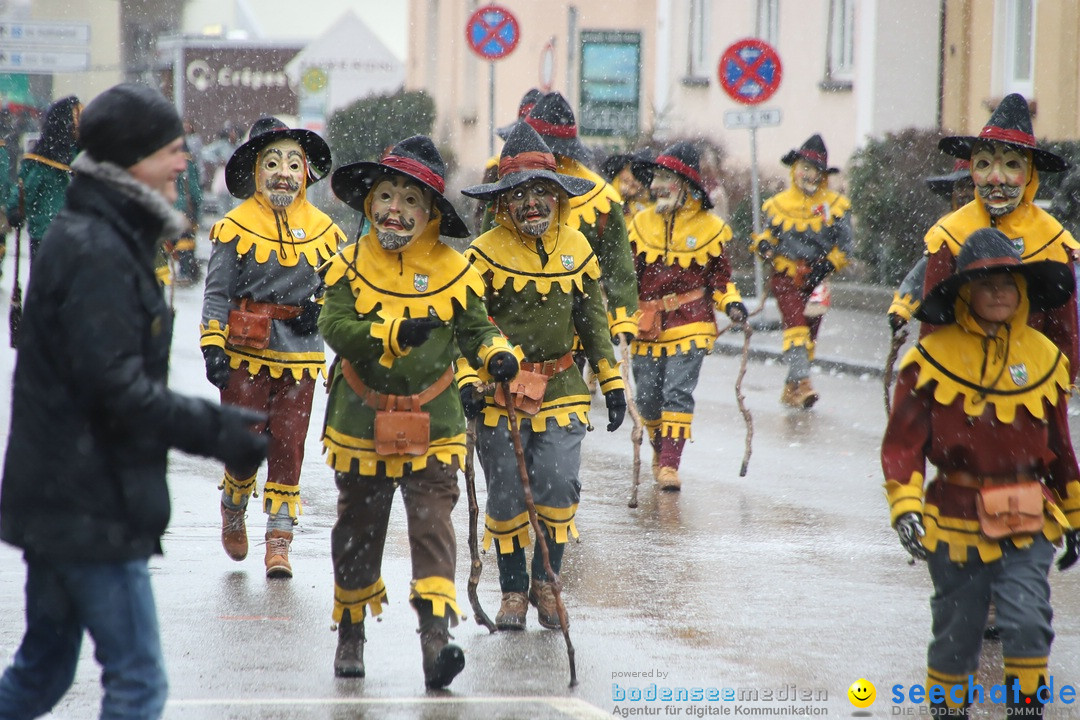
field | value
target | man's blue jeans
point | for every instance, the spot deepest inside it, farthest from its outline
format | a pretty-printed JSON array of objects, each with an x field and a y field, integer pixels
[{"x": 115, "y": 604}]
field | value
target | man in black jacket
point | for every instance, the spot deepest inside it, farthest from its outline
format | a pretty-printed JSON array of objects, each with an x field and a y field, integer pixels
[{"x": 92, "y": 418}]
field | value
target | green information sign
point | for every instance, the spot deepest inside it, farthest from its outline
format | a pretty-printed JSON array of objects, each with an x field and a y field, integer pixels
[{"x": 610, "y": 87}]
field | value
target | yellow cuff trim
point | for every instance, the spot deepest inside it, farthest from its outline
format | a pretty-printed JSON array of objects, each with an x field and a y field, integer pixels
[
  {"x": 904, "y": 305},
  {"x": 440, "y": 593},
  {"x": 724, "y": 298},
  {"x": 498, "y": 344},
  {"x": 610, "y": 377},
  {"x": 1027, "y": 671},
  {"x": 837, "y": 257},
  {"x": 464, "y": 373},
  {"x": 905, "y": 497},
  {"x": 355, "y": 601},
  {"x": 622, "y": 321},
  {"x": 503, "y": 532},
  {"x": 675, "y": 425},
  {"x": 797, "y": 337},
  {"x": 213, "y": 334},
  {"x": 238, "y": 490},
  {"x": 275, "y": 495},
  {"x": 387, "y": 332}
]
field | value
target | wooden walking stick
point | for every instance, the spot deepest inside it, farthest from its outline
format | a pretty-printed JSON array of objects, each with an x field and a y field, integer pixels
[
  {"x": 15, "y": 310},
  {"x": 637, "y": 433},
  {"x": 476, "y": 567},
  {"x": 740, "y": 399},
  {"x": 898, "y": 340},
  {"x": 556, "y": 583}
]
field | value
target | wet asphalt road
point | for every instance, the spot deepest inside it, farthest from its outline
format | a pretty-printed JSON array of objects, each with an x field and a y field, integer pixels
[{"x": 787, "y": 581}]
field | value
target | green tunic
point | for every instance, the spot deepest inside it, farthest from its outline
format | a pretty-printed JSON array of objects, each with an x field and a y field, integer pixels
[{"x": 44, "y": 187}]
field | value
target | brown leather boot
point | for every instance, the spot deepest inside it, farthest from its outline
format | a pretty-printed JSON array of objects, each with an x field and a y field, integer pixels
[
  {"x": 234, "y": 533},
  {"x": 668, "y": 479},
  {"x": 805, "y": 395},
  {"x": 349, "y": 656},
  {"x": 442, "y": 660},
  {"x": 511, "y": 615},
  {"x": 277, "y": 554},
  {"x": 542, "y": 597}
]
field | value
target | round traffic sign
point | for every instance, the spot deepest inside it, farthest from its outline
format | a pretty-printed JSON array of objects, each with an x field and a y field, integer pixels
[
  {"x": 493, "y": 32},
  {"x": 750, "y": 71}
]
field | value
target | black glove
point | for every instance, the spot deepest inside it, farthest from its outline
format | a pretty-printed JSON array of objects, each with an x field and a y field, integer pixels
[
  {"x": 414, "y": 332},
  {"x": 818, "y": 272},
  {"x": 623, "y": 337},
  {"x": 616, "y": 408},
  {"x": 896, "y": 323},
  {"x": 503, "y": 366},
  {"x": 1072, "y": 550},
  {"x": 307, "y": 323},
  {"x": 217, "y": 366},
  {"x": 238, "y": 444},
  {"x": 910, "y": 529},
  {"x": 472, "y": 402},
  {"x": 737, "y": 312},
  {"x": 765, "y": 250},
  {"x": 15, "y": 218}
]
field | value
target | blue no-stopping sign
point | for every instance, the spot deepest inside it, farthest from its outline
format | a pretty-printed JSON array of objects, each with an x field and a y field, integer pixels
[{"x": 493, "y": 32}]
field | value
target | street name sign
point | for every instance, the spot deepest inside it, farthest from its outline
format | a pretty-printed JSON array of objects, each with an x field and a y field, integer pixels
[
  {"x": 35, "y": 60},
  {"x": 752, "y": 118},
  {"x": 44, "y": 33}
]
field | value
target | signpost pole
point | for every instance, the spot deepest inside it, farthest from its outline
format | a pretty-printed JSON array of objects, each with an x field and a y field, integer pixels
[
  {"x": 755, "y": 202},
  {"x": 491, "y": 108}
]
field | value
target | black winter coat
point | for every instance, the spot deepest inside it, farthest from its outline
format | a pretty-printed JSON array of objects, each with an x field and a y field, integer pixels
[{"x": 92, "y": 417}]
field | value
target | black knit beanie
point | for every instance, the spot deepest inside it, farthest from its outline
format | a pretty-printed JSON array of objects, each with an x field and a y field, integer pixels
[{"x": 127, "y": 123}]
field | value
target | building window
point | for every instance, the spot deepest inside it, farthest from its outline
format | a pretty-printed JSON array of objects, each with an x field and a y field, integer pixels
[
  {"x": 840, "y": 51},
  {"x": 768, "y": 21},
  {"x": 697, "y": 46},
  {"x": 1018, "y": 50}
]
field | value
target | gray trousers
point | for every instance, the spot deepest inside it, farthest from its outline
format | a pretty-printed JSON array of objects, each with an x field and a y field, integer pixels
[
  {"x": 1018, "y": 583},
  {"x": 666, "y": 383}
]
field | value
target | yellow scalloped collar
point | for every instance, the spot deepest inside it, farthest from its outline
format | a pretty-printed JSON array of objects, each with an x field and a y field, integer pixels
[
  {"x": 427, "y": 275},
  {"x": 302, "y": 229},
  {"x": 1036, "y": 232},
  {"x": 1032, "y": 371},
  {"x": 584, "y": 208},
  {"x": 792, "y": 208},
  {"x": 697, "y": 235},
  {"x": 503, "y": 253}
]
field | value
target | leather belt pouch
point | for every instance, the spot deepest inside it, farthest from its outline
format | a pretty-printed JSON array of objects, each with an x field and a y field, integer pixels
[
  {"x": 1007, "y": 510},
  {"x": 402, "y": 432},
  {"x": 527, "y": 389},
  {"x": 248, "y": 329},
  {"x": 649, "y": 322}
]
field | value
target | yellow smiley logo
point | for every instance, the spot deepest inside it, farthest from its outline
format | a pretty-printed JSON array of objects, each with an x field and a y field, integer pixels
[{"x": 862, "y": 693}]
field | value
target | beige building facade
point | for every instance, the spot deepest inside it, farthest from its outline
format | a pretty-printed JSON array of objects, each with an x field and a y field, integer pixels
[{"x": 850, "y": 70}]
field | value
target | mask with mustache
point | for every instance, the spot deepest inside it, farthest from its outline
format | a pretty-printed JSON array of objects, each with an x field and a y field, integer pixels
[
  {"x": 280, "y": 172},
  {"x": 400, "y": 210}
]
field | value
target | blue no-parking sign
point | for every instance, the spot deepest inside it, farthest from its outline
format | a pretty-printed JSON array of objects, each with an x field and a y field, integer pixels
[
  {"x": 493, "y": 32},
  {"x": 750, "y": 71}
]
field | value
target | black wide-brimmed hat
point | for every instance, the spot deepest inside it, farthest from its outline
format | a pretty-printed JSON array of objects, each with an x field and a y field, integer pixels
[
  {"x": 528, "y": 102},
  {"x": 240, "y": 170},
  {"x": 1010, "y": 123},
  {"x": 812, "y": 151},
  {"x": 985, "y": 252},
  {"x": 554, "y": 120},
  {"x": 640, "y": 162},
  {"x": 526, "y": 157},
  {"x": 943, "y": 184},
  {"x": 418, "y": 159},
  {"x": 684, "y": 159}
]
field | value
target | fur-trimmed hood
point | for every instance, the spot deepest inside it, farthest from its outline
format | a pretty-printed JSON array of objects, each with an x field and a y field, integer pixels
[{"x": 172, "y": 220}]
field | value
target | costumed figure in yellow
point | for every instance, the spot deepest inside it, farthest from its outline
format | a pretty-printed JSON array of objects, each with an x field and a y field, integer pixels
[
  {"x": 400, "y": 307},
  {"x": 543, "y": 285},
  {"x": 682, "y": 274},
  {"x": 807, "y": 238},
  {"x": 983, "y": 398},
  {"x": 1005, "y": 166},
  {"x": 260, "y": 338}
]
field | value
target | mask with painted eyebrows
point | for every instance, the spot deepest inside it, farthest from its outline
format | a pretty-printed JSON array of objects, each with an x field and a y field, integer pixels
[{"x": 280, "y": 172}]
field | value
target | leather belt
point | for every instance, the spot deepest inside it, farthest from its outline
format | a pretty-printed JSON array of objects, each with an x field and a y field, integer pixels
[
  {"x": 270, "y": 310},
  {"x": 385, "y": 401},
  {"x": 673, "y": 301},
  {"x": 965, "y": 479},
  {"x": 551, "y": 368}
]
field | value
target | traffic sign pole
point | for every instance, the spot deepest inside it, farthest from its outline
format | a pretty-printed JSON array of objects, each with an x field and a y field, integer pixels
[
  {"x": 493, "y": 33},
  {"x": 755, "y": 201},
  {"x": 491, "y": 108}
]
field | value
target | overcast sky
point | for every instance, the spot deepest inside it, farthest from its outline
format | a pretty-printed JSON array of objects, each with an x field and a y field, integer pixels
[{"x": 292, "y": 20}]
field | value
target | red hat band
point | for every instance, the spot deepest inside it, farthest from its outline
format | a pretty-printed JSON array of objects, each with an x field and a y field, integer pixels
[
  {"x": 556, "y": 131},
  {"x": 673, "y": 163},
  {"x": 418, "y": 170},
  {"x": 1016, "y": 137}
]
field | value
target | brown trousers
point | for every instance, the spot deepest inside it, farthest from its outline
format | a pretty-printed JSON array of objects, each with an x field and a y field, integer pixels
[
  {"x": 287, "y": 403},
  {"x": 359, "y": 535}
]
